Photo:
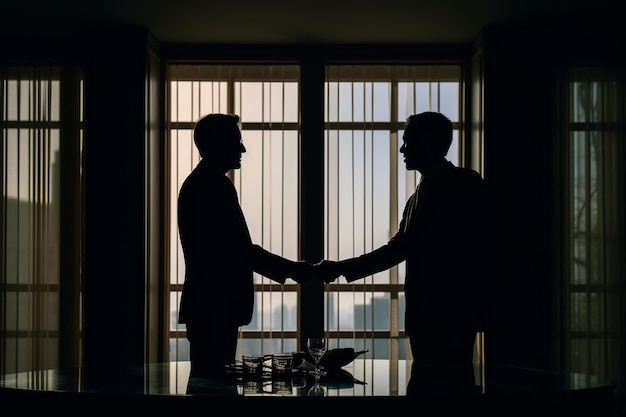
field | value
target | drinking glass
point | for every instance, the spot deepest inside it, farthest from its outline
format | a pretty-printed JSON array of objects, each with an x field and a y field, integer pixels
[
  {"x": 317, "y": 348},
  {"x": 317, "y": 390}
]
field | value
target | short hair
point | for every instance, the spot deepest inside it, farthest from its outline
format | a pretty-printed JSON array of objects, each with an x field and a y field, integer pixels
[
  {"x": 211, "y": 128},
  {"x": 436, "y": 127}
]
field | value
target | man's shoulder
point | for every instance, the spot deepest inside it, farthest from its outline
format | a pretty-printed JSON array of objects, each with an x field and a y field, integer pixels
[
  {"x": 202, "y": 186},
  {"x": 466, "y": 174},
  {"x": 202, "y": 174}
]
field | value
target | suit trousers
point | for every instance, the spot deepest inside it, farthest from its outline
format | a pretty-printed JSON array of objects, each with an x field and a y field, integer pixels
[
  {"x": 211, "y": 349},
  {"x": 442, "y": 365}
]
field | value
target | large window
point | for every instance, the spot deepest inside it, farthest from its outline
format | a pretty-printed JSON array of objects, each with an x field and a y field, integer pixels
[
  {"x": 41, "y": 123},
  {"x": 365, "y": 185},
  {"x": 593, "y": 220},
  {"x": 267, "y": 100}
]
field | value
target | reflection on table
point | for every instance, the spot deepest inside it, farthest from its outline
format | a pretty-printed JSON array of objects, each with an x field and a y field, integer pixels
[
  {"x": 361, "y": 378},
  {"x": 360, "y": 387}
]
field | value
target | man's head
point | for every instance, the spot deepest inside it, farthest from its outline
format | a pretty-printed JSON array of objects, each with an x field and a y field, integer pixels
[
  {"x": 218, "y": 139},
  {"x": 427, "y": 138}
]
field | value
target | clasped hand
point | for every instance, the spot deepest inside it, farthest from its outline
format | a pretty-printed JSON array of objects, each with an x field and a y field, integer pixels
[
  {"x": 324, "y": 270},
  {"x": 327, "y": 271}
]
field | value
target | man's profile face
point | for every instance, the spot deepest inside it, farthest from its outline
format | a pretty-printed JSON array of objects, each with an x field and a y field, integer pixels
[
  {"x": 233, "y": 147},
  {"x": 418, "y": 147},
  {"x": 412, "y": 147}
]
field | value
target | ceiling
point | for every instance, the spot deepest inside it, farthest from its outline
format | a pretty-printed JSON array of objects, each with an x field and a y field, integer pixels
[{"x": 295, "y": 21}]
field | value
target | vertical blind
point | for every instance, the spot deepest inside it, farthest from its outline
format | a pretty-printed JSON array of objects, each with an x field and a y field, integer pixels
[
  {"x": 366, "y": 186},
  {"x": 594, "y": 220},
  {"x": 32, "y": 227},
  {"x": 266, "y": 98},
  {"x": 365, "y": 190}
]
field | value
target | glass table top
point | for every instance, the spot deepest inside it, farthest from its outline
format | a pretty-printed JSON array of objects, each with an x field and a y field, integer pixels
[{"x": 360, "y": 378}]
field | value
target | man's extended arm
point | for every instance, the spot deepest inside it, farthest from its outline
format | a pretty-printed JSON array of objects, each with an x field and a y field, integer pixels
[
  {"x": 367, "y": 264},
  {"x": 278, "y": 268}
]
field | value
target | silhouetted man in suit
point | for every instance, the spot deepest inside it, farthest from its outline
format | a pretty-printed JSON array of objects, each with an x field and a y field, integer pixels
[
  {"x": 442, "y": 237},
  {"x": 220, "y": 258}
]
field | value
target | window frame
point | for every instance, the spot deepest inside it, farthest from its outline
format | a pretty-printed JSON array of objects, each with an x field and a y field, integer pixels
[{"x": 313, "y": 75}]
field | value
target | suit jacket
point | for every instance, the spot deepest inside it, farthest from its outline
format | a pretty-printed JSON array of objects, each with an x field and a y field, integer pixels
[
  {"x": 443, "y": 237},
  {"x": 220, "y": 257}
]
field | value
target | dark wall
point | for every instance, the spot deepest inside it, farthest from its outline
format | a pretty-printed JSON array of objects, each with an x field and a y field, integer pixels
[
  {"x": 523, "y": 65},
  {"x": 115, "y": 193},
  {"x": 113, "y": 58}
]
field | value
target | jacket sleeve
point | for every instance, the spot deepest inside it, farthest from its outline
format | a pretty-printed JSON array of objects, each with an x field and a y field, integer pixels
[
  {"x": 375, "y": 261},
  {"x": 270, "y": 265},
  {"x": 386, "y": 256}
]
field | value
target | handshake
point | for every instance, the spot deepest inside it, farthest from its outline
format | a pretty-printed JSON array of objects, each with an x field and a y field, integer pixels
[{"x": 326, "y": 271}]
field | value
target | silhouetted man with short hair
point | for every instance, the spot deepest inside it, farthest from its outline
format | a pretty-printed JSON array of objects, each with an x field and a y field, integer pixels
[
  {"x": 443, "y": 239},
  {"x": 220, "y": 258}
]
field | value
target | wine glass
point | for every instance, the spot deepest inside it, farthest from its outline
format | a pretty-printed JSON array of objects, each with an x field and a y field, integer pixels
[
  {"x": 317, "y": 390},
  {"x": 317, "y": 348}
]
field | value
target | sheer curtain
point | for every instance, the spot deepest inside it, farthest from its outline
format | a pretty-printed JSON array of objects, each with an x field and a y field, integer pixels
[
  {"x": 40, "y": 285},
  {"x": 366, "y": 188},
  {"x": 365, "y": 110},
  {"x": 593, "y": 227},
  {"x": 266, "y": 97}
]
